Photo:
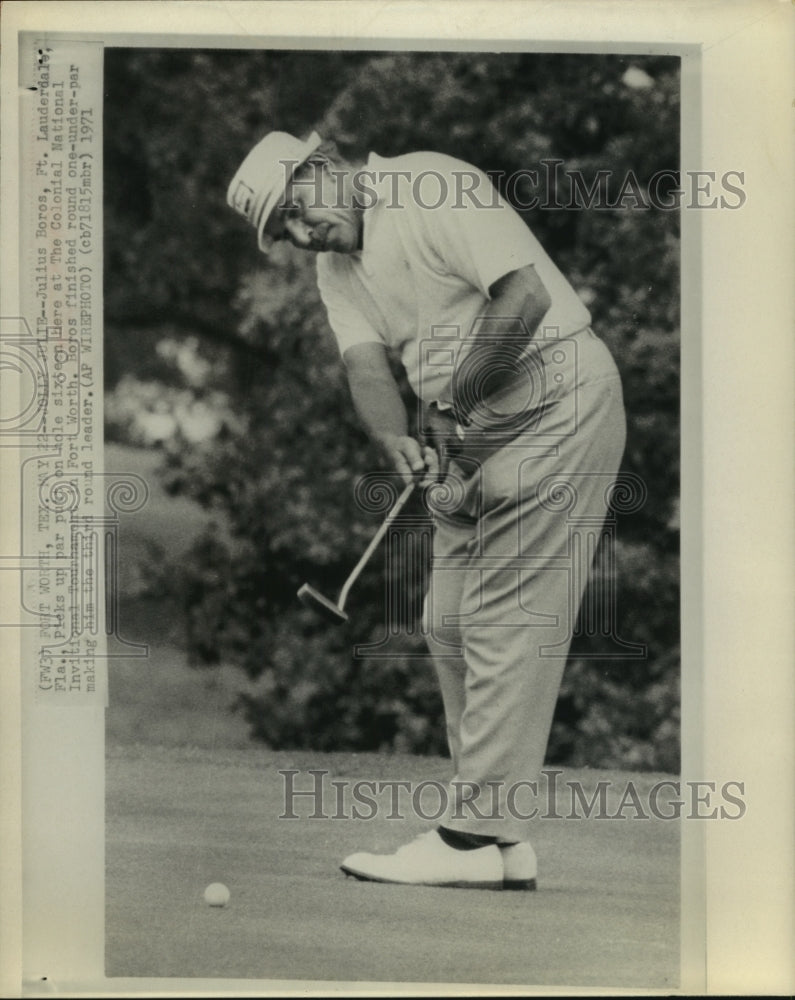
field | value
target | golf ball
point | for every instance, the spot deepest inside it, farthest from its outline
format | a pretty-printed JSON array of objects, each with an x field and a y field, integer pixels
[{"x": 216, "y": 894}]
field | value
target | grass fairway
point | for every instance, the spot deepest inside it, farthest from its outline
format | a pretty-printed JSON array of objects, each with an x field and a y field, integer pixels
[{"x": 606, "y": 913}]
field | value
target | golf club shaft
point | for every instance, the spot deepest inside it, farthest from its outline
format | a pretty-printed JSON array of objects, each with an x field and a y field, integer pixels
[{"x": 399, "y": 504}]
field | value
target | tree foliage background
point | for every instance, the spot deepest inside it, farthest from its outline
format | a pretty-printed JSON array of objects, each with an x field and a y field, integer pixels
[{"x": 225, "y": 362}]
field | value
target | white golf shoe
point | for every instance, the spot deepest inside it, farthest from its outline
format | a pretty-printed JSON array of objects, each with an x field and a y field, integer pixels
[
  {"x": 520, "y": 866},
  {"x": 427, "y": 860}
]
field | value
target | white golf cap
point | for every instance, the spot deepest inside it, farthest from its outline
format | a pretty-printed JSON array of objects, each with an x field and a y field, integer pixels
[{"x": 262, "y": 177}]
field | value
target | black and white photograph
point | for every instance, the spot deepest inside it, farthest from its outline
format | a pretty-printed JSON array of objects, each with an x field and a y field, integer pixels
[
  {"x": 355, "y": 291},
  {"x": 376, "y": 591}
]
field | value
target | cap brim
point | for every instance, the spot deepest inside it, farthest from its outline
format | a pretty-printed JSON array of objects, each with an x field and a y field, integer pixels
[{"x": 264, "y": 240}]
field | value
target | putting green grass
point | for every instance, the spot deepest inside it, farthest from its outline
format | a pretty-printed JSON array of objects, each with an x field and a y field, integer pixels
[
  {"x": 606, "y": 913},
  {"x": 190, "y": 801}
]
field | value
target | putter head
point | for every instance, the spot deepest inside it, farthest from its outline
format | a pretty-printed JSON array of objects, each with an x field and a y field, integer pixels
[{"x": 314, "y": 599}]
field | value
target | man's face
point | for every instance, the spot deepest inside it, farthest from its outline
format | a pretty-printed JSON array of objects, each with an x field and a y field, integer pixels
[{"x": 317, "y": 212}]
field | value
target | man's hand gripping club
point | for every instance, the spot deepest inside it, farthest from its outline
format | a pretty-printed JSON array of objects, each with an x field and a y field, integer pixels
[{"x": 378, "y": 402}]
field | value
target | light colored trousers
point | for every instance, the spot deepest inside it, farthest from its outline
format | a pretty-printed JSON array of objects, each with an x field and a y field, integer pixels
[{"x": 507, "y": 582}]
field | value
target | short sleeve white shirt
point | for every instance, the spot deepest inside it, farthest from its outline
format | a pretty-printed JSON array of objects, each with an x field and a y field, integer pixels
[{"x": 436, "y": 237}]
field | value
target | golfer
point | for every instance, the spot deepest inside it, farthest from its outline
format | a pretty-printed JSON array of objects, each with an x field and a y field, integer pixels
[{"x": 522, "y": 426}]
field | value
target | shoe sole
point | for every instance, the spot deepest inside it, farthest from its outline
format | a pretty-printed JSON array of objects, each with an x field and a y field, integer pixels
[
  {"x": 435, "y": 885},
  {"x": 519, "y": 884}
]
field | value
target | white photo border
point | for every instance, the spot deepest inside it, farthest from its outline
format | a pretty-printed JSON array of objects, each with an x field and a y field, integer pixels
[{"x": 737, "y": 62}]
